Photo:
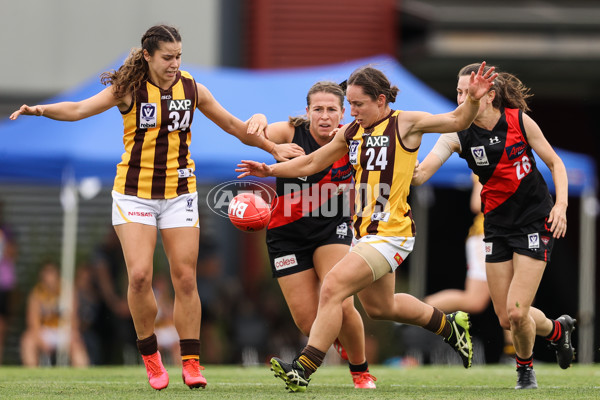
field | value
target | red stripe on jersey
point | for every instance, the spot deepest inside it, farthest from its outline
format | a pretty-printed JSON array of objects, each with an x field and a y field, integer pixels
[
  {"x": 290, "y": 207},
  {"x": 504, "y": 181}
]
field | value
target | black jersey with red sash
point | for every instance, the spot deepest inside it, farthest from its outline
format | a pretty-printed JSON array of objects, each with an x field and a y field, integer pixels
[
  {"x": 308, "y": 208},
  {"x": 514, "y": 192}
]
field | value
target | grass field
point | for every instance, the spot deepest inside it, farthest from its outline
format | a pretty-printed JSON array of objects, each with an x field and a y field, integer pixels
[{"x": 331, "y": 382}]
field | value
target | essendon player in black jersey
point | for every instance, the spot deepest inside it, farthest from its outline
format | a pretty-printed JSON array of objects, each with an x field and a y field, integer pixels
[
  {"x": 155, "y": 187},
  {"x": 382, "y": 146},
  {"x": 521, "y": 220},
  {"x": 310, "y": 228}
]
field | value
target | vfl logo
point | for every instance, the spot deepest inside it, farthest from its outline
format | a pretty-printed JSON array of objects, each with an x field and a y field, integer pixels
[
  {"x": 515, "y": 150},
  {"x": 185, "y": 172},
  {"x": 534, "y": 240},
  {"x": 494, "y": 140},
  {"x": 148, "y": 115},
  {"x": 342, "y": 230},
  {"x": 179, "y": 105},
  {"x": 479, "y": 156},
  {"x": 353, "y": 151},
  {"x": 380, "y": 216},
  {"x": 378, "y": 141},
  {"x": 190, "y": 205}
]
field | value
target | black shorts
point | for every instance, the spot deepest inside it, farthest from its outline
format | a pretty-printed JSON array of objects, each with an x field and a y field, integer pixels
[
  {"x": 293, "y": 257},
  {"x": 533, "y": 240}
]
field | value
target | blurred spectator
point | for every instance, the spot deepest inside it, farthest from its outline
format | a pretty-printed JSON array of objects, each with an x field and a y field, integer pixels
[
  {"x": 42, "y": 337},
  {"x": 216, "y": 302},
  {"x": 115, "y": 326},
  {"x": 88, "y": 301},
  {"x": 8, "y": 280}
]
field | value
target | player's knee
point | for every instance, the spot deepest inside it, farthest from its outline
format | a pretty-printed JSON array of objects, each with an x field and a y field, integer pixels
[
  {"x": 375, "y": 312},
  {"x": 139, "y": 281},
  {"x": 518, "y": 316},
  {"x": 331, "y": 290}
]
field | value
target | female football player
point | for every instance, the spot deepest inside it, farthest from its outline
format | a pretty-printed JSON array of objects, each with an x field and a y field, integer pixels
[
  {"x": 155, "y": 185},
  {"x": 310, "y": 228},
  {"x": 382, "y": 145},
  {"x": 521, "y": 219}
]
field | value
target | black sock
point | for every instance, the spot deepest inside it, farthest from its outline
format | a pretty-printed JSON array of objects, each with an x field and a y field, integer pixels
[
  {"x": 147, "y": 346},
  {"x": 556, "y": 331},
  {"x": 524, "y": 362},
  {"x": 190, "y": 349},
  {"x": 364, "y": 367}
]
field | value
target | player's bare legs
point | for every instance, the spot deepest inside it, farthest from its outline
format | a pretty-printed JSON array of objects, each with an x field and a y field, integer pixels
[
  {"x": 352, "y": 332},
  {"x": 181, "y": 248},
  {"x": 347, "y": 277},
  {"x": 138, "y": 242}
]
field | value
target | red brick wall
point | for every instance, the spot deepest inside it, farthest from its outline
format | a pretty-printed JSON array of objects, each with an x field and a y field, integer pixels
[{"x": 297, "y": 33}]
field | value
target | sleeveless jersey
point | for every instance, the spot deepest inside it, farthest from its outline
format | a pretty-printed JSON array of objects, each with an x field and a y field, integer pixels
[
  {"x": 49, "y": 304},
  {"x": 156, "y": 163},
  {"x": 514, "y": 192},
  {"x": 310, "y": 208},
  {"x": 383, "y": 170}
]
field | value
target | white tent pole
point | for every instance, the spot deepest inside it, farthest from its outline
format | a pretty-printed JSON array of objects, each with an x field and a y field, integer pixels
[
  {"x": 69, "y": 199},
  {"x": 587, "y": 277}
]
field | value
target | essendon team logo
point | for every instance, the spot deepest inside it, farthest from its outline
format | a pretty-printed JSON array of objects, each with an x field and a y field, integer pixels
[{"x": 147, "y": 115}]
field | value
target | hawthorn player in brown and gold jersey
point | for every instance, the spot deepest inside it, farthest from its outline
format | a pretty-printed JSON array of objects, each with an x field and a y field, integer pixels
[
  {"x": 383, "y": 166},
  {"x": 155, "y": 187},
  {"x": 156, "y": 163},
  {"x": 381, "y": 144}
]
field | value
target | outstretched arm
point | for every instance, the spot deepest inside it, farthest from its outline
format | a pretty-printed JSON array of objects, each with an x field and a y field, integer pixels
[
  {"x": 462, "y": 117},
  {"x": 300, "y": 166},
  {"x": 70, "y": 110},
  {"x": 251, "y": 132}
]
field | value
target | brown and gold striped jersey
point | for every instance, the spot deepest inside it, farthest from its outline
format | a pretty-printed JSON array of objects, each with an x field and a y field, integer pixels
[
  {"x": 383, "y": 170},
  {"x": 157, "y": 163}
]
